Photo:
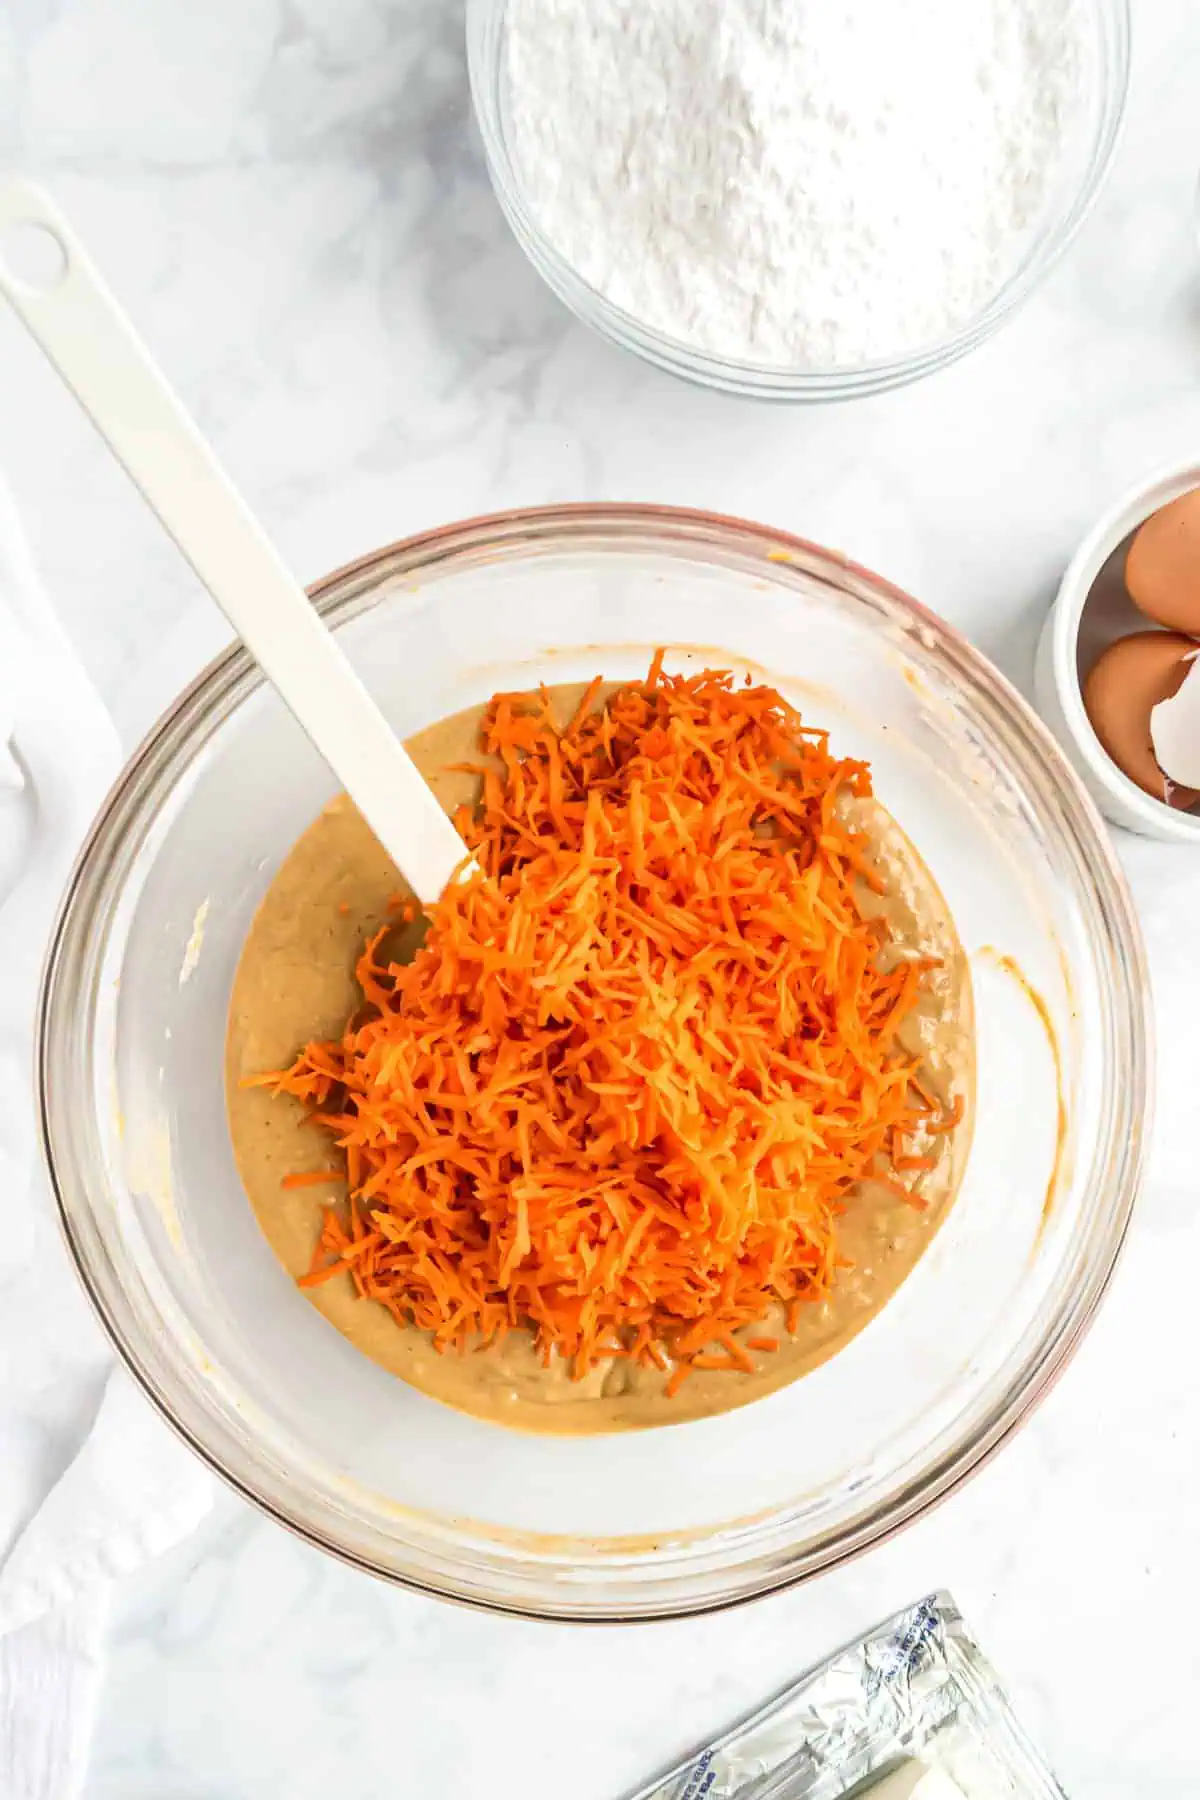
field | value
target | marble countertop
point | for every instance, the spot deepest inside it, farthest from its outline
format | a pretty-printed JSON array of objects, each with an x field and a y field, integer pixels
[{"x": 289, "y": 197}]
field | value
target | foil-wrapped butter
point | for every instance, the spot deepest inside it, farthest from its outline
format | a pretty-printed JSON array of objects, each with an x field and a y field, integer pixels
[
  {"x": 910, "y": 1711},
  {"x": 912, "y": 1781}
]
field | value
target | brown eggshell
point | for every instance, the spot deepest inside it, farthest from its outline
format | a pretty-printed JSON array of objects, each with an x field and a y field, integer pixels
[
  {"x": 1122, "y": 688},
  {"x": 1162, "y": 565}
]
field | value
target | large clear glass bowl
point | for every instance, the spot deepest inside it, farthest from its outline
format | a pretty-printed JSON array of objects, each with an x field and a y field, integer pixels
[
  {"x": 684, "y": 1517},
  {"x": 1104, "y": 83}
]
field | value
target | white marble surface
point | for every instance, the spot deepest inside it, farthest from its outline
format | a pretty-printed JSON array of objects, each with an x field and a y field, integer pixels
[{"x": 288, "y": 195}]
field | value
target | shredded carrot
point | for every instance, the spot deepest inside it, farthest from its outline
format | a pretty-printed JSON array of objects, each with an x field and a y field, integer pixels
[
  {"x": 740, "y": 1356},
  {"x": 313, "y": 1178},
  {"x": 315, "y": 1277},
  {"x": 645, "y": 1055},
  {"x": 901, "y": 1192},
  {"x": 950, "y": 1120},
  {"x": 902, "y": 1164},
  {"x": 677, "y": 1378}
]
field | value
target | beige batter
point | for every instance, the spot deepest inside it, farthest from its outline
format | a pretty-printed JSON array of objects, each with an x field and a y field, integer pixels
[{"x": 295, "y": 981}]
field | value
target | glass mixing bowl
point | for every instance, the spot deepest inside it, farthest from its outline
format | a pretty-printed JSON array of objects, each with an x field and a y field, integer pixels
[
  {"x": 1104, "y": 83},
  {"x": 688, "y": 1516}
]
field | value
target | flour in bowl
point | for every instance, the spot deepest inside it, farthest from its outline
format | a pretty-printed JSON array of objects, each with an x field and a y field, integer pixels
[{"x": 805, "y": 183}]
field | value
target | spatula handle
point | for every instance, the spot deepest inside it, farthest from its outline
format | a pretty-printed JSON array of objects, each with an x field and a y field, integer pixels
[{"x": 70, "y": 311}]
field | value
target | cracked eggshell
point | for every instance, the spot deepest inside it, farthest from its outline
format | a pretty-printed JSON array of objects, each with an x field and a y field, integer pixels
[
  {"x": 1124, "y": 686},
  {"x": 1175, "y": 729}
]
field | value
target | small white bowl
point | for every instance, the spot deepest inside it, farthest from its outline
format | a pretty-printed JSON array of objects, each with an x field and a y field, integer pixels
[{"x": 1091, "y": 610}]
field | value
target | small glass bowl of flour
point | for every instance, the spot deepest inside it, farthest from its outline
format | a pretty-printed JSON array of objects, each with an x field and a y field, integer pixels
[{"x": 797, "y": 199}]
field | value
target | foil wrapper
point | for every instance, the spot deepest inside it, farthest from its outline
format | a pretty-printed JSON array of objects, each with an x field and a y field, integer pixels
[{"x": 912, "y": 1696}]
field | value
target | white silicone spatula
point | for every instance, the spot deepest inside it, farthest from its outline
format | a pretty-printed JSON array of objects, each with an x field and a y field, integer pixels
[{"x": 49, "y": 279}]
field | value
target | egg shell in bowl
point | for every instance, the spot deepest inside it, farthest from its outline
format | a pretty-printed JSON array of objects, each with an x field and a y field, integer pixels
[
  {"x": 1091, "y": 609},
  {"x": 1122, "y": 692}
]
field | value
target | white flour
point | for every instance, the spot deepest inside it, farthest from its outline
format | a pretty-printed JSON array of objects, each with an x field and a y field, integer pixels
[{"x": 804, "y": 182}]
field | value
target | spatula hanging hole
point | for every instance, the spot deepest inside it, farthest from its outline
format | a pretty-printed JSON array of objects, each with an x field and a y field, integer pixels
[{"x": 32, "y": 256}]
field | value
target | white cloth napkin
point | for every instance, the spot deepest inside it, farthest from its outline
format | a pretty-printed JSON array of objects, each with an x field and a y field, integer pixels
[{"x": 91, "y": 1482}]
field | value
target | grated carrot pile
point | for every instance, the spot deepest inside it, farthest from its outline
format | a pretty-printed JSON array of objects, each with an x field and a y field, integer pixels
[{"x": 626, "y": 1086}]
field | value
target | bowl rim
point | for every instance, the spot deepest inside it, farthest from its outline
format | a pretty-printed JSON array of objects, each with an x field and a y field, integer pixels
[
  {"x": 1137, "y": 503},
  {"x": 770, "y": 1572},
  {"x": 779, "y": 382}
]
